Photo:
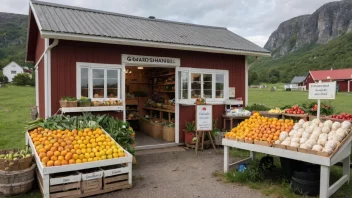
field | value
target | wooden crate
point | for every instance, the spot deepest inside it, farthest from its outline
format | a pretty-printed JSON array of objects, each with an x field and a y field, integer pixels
[
  {"x": 66, "y": 184},
  {"x": 116, "y": 177},
  {"x": 92, "y": 180}
]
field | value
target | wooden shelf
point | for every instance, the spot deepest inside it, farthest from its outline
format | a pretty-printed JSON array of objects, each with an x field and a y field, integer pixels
[
  {"x": 91, "y": 108},
  {"x": 165, "y": 84},
  {"x": 158, "y": 109},
  {"x": 163, "y": 75},
  {"x": 131, "y": 109},
  {"x": 165, "y": 91},
  {"x": 132, "y": 119}
]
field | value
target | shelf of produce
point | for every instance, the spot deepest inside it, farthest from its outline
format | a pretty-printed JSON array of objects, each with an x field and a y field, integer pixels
[
  {"x": 164, "y": 75},
  {"x": 342, "y": 154},
  {"x": 165, "y": 84},
  {"x": 91, "y": 109},
  {"x": 157, "y": 109}
]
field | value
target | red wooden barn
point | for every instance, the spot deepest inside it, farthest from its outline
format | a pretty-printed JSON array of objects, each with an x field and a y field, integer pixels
[
  {"x": 343, "y": 78},
  {"x": 83, "y": 52}
]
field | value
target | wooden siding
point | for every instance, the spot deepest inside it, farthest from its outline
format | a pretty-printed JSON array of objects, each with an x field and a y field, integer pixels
[
  {"x": 65, "y": 56},
  {"x": 40, "y": 47}
]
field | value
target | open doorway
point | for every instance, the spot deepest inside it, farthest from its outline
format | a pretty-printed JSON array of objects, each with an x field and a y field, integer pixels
[{"x": 150, "y": 104}]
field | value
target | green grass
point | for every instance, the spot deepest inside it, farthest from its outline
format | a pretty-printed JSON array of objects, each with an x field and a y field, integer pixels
[
  {"x": 280, "y": 98},
  {"x": 15, "y": 107}
]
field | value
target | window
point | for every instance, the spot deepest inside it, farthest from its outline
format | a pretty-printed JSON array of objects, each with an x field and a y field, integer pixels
[
  {"x": 98, "y": 81},
  {"x": 210, "y": 84},
  {"x": 13, "y": 72}
]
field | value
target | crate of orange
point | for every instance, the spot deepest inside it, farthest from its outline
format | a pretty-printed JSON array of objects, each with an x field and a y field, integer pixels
[
  {"x": 60, "y": 151},
  {"x": 260, "y": 129}
]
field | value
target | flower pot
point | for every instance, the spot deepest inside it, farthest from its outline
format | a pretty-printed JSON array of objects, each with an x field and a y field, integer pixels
[{"x": 189, "y": 136}]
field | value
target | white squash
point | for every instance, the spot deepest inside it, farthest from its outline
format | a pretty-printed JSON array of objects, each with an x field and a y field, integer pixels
[
  {"x": 323, "y": 136},
  {"x": 294, "y": 139},
  {"x": 325, "y": 129},
  {"x": 309, "y": 146},
  {"x": 310, "y": 129},
  {"x": 321, "y": 125},
  {"x": 332, "y": 133},
  {"x": 335, "y": 125},
  {"x": 328, "y": 123},
  {"x": 341, "y": 131},
  {"x": 283, "y": 136},
  {"x": 277, "y": 142},
  {"x": 303, "y": 140},
  {"x": 304, "y": 146},
  {"x": 286, "y": 143},
  {"x": 298, "y": 134},
  {"x": 331, "y": 144},
  {"x": 294, "y": 144},
  {"x": 311, "y": 142},
  {"x": 346, "y": 125},
  {"x": 328, "y": 150},
  {"x": 316, "y": 121},
  {"x": 305, "y": 134},
  {"x": 301, "y": 121},
  {"x": 317, "y": 148},
  {"x": 339, "y": 137},
  {"x": 305, "y": 125},
  {"x": 288, "y": 139},
  {"x": 317, "y": 130},
  {"x": 314, "y": 137},
  {"x": 296, "y": 126},
  {"x": 322, "y": 142},
  {"x": 292, "y": 133},
  {"x": 331, "y": 138}
]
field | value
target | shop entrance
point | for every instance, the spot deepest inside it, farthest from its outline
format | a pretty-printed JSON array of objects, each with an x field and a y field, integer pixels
[{"x": 150, "y": 92}]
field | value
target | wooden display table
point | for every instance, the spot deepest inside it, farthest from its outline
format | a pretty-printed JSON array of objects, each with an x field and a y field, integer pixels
[
  {"x": 231, "y": 119},
  {"x": 169, "y": 111},
  {"x": 343, "y": 154},
  {"x": 295, "y": 116}
]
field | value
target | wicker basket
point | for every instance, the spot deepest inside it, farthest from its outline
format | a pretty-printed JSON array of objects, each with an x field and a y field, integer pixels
[
  {"x": 218, "y": 138},
  {"x": 154, "y": 129},
  {"x": 14, "y": 165},
  {"x": 169, "y": 134},
  {"x": 16, "y": 182},
  {"x": 64, "y": 103}
]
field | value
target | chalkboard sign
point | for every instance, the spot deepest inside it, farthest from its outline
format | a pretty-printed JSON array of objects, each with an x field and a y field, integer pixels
[{"x": 204, "y": 117}]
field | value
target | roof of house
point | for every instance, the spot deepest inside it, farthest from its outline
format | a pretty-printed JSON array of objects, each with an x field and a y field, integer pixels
[
  {"x": 80, "y": 22},
  {"x": 298, "y": 79},
  {"x": 335, "y": 74},
  {"x": 11, "y": 63}
]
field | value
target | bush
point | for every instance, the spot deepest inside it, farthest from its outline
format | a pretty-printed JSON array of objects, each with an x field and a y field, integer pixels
[{"x": 21, "y": 79}]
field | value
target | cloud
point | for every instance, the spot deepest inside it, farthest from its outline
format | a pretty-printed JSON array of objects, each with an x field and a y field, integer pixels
[{"x": 252, "y": 19}]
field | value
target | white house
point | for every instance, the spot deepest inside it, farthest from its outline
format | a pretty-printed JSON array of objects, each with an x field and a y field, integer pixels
[{"x": 11, "y": 70}]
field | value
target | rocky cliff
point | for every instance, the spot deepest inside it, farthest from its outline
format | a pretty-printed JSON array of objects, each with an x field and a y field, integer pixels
[{"x": 328, "y": 22}]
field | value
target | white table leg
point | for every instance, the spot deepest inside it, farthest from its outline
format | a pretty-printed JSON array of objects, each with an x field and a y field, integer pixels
[
  {"x": 324, "y": 181},
  {"x": 252, "y": 155},
  {"x": 346, "y": 168},
  {"x": 130, "y": 173},
  {"x": 226, "y": 159},
  {"x": 46, "y": 184}
]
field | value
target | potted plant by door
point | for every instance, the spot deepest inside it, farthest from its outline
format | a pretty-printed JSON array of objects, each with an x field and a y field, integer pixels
[
  {"x": 68, "y": 102},
  {"x": 190, "y": 132}
]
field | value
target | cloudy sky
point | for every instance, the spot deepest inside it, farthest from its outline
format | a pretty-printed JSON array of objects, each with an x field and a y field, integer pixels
[{"x": 252, "y": 19}]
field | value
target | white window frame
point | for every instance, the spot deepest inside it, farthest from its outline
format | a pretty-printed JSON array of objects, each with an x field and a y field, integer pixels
[
  {"x": 212, "y": 100},
  {"x": 13, "y": 72},
  {"x": 92, "y": 66}
]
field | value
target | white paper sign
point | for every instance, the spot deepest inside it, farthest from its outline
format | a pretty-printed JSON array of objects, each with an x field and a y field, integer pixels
[
  {"x": 204, "y": 116},
  {"x": 323, "y": 90},
  {"x": 232, "y": 92}
]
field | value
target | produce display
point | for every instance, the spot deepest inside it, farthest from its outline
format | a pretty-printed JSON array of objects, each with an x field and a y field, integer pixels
[
  {"x": 260, "y": 128},
  {"x": 239, "y": 112},
  {"x": 295, "y": 110},
  {"x": 315, "y": 135},
  {"x": 276, "y": 111},
  {"x": 110, "y": 102},
  {"x": 342, "y": 116},
  {"x": 119, "y": 130},
  {"x": 63, "y": 147}
]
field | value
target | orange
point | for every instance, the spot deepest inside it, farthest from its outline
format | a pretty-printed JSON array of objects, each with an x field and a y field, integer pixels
[
  {"x": 53, "y": 158},
  {"x": 71, "y": 161},
  {"x": 57, "y": 163},
  {"x": 81, "y": 156},
  {"x": 63, "y": 144},
  {"x": 49, "y": 154},
  {"x": 60, "y": 148},
  {"x": 45, "y": 160},
  {"x": 50, "y": 163},
  {"x": 64, "y": 162},
  {"x": 78, "y": 151},
  {"x": 57, "y": 153},
  {"x": 53, "y": 149},
  {"x": 78, "y": 161},
  {"x": 68, "y": 156},
  {"x": 60, "y": 158},
  {"x": 63, "y": 153},
  {"x": 75, "y": 156},
  {"x": 56, "y": 144},
  {"x": 84, "y": 160}
]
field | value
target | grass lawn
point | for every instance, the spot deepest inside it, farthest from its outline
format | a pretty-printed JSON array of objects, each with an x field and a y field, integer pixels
[
  {"x": 15, "y": 107},
  {"x": 280, "y": 98}
]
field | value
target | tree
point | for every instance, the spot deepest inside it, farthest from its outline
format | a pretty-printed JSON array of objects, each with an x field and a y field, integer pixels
[
  {"x": 21, "y": 79},
  {"x": 253, "y": 78}
]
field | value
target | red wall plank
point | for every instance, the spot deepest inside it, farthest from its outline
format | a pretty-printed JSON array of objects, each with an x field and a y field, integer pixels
[
  {"x": 40, "y": 47},
  {"x": 68, "y": 53}
]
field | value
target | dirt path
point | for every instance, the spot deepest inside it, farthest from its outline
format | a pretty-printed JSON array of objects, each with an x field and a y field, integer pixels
[{"x": 181, "y": 174}]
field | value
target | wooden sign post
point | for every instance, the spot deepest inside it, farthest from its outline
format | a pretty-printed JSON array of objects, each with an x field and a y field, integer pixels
[
  {"x": 204, "y": 124},
  {"x": 320, "y": 90}
]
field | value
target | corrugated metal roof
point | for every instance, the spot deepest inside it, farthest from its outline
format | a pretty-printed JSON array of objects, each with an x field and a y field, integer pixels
[
  {"x": 298, "y": 79},
  {"x": 334, "y": 74},
  {"x": 73, "y": 20}
]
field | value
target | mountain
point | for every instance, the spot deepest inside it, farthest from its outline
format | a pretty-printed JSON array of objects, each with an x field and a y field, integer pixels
[
  {"x": 13, "y": 36},
  {"x": 325, "y": 24},
  {"x": 322, "y": 40}
]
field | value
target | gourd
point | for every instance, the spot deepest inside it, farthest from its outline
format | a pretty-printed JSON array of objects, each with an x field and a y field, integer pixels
[
  {"x": 341, "y": 131},
  {"x": 294, "y": 139},
  {"x": 296, "y": 126},
  {"x": 310, "y": 129},
  {"x": 346, "y": 125},
  {"x": 328, "y": 150},
  {"x": 298, "y": 134},
  {"x": 303, "y": 140},
  {"x": 322, "y": 142},
  {"x": 286, "y": 143},
  {"x": 323, "y": 136},
  {"x": 292, "y": 133},
  {"x": 325, "y": 129},
  {"x": 335, "y": 125},
  {"x": 304, "y": 146},
  {"x": 283, "y": 136},
  {"x": 305, "y": 134},
  {"x": 277, "y": 142},
  {"x": 331, "y": 144},
  {"x": 314, "y": 137},
  {"x": 301, "y": 121},
  {"x": 317, "y": 147},
  {"x": 294, "y": 144},
  {"x": 328, "y": 123}
]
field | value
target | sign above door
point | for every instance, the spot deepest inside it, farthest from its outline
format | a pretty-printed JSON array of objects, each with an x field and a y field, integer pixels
[{"x": 150, "y": 60}]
